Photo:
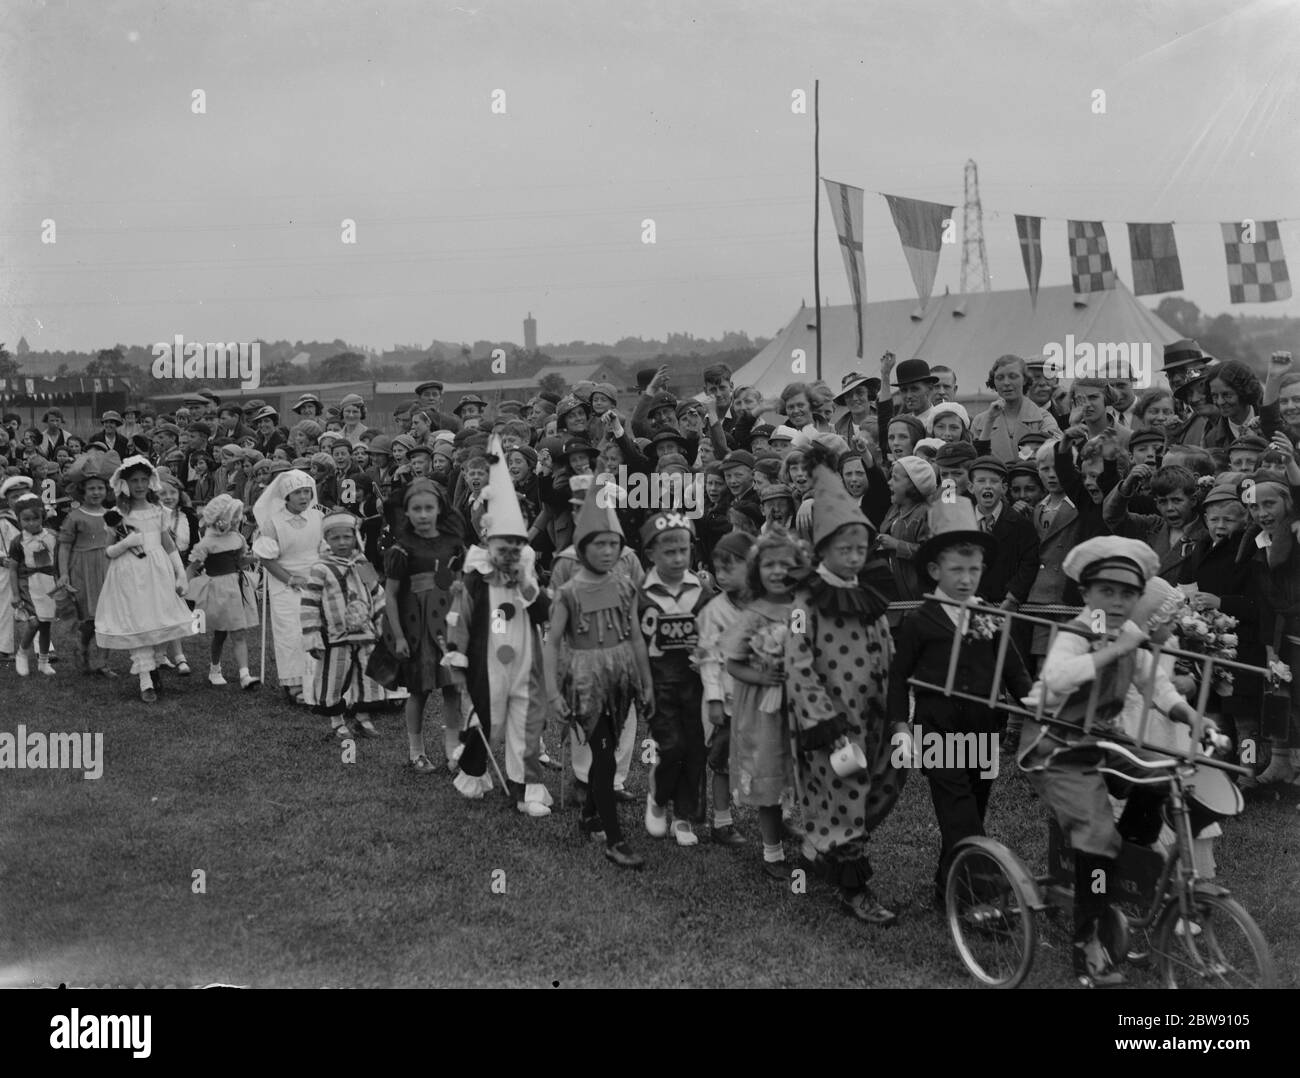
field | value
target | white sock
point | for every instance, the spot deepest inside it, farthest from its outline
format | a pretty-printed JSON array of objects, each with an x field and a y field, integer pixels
[
  {"x": 773, "y": 854},
  {"x": 722, "y": 817},
  {"x": 243, "y": 672},
  {"x": 146, "y": 681}
]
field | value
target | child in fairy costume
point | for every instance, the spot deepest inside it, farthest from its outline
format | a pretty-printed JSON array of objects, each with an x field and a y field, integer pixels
[{"x": 608, "y": 668}]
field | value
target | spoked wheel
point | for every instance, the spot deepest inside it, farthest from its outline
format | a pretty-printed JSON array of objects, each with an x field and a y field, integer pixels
[
  {"x": 991, "y": 904},
  {"x": 1221, "y": 948}
]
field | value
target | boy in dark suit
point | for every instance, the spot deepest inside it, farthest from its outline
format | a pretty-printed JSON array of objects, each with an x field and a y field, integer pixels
[
  {"x": 1013, "y": 557},
  {"x": 954, "y": 557}
]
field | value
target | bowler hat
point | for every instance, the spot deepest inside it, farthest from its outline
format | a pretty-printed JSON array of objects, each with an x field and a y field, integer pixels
[{"x": 914, "y": 370}]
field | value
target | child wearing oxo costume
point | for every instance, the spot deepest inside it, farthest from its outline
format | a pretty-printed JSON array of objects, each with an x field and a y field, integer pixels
[{"x": 495, "y": 647}]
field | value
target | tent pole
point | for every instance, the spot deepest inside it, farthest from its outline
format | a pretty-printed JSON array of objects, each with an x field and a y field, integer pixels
[{"x": 817, "y": 207}]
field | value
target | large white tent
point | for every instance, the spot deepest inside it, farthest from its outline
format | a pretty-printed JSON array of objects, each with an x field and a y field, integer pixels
[{"x": 964, "y": 332}]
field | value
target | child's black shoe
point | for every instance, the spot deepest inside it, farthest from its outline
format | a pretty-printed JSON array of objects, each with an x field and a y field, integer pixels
[{"x": 621, "y": 854}]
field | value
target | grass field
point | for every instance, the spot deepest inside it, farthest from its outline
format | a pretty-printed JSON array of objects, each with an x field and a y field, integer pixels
[{"x": 323, "y": 873}]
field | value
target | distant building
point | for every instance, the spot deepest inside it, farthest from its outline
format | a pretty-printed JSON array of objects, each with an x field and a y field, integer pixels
[{"x": 530, "y": 333}]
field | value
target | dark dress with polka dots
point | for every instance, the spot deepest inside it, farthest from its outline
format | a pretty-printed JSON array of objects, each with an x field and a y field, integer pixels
[
  {"x": 424, "y": 612},
  {"x": 836, "y": 679}
]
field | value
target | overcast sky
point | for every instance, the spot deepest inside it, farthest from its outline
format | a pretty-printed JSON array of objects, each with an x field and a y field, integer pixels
[{"x": 226, "y": 226}]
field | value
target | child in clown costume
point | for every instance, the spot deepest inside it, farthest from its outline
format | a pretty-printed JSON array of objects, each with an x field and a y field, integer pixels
[
  {"x": 495, "y": 647},
  {"x": 288, "y": 542},
  {"x": 836, "y": 665}
]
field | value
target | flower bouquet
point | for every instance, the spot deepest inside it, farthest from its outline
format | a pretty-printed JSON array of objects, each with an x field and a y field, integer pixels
[
  {"x": 982, "y": 627},
  {"x": 1207, "y": 633},
  {"x": 767, "y": 653},
  {"x": 121, "y": 529}
]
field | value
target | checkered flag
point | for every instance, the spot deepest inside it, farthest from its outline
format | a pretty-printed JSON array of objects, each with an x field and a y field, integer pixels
[
  {"x": 1090, "y": 267},
  {"x": 1155, "y": 259},
  {"x": 1256, "y": 271}
]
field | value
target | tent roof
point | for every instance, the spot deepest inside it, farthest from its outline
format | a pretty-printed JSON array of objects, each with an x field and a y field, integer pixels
[{"x": 964, "y": 332}]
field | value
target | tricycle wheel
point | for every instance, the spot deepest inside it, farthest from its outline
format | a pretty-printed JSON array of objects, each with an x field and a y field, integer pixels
[{"x": 991, "y": 904}]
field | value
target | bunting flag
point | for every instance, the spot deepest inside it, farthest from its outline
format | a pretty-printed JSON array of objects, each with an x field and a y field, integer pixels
[
  {"x": 1256, "y": 265},
  {"x": 1155, "y": 259},
  {"x": 1090, "y": 267},
  {"x": 1030, "y": 231},
  {"x": 846, "y": 209},
  {"x": 920, "y": 227}
]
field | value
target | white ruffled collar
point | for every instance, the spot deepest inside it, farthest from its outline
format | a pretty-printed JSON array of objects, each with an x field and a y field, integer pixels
[{"x": 834, "y": 579}]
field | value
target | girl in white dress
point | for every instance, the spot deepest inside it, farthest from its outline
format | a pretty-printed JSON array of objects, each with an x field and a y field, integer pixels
[
  {"x": 222, "y": 587},
  {"x": 140, "y": 605},
  {"x": 288, "y": 542}
]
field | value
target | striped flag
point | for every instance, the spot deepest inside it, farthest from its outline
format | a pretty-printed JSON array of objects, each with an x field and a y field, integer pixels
[
  {"x": 1090, "y": 267},
  {"x": 920, "y": 227},
  {"x": 1256, "y": 265},
  {"x": 846, "y": 209},
  {"x": 1155, "y": 259},
  {"x": 1030, "y": 231}
]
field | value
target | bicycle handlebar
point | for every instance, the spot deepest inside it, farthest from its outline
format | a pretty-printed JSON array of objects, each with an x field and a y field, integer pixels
[{"x": 1168, "y": 764}]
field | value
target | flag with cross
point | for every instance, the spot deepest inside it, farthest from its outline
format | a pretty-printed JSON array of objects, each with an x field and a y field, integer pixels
[
  {"x": 846, "y": 209},
  {"x": 1030, "y": 231}
]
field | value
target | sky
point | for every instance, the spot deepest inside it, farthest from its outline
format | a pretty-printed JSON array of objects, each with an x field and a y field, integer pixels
[{"x": 227, "y": 225}]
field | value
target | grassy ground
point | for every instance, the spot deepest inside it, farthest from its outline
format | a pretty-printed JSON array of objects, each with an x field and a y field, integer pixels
[{"x": 321, "y": 873}]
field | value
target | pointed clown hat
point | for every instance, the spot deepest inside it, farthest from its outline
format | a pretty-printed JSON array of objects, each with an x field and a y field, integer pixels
[
  {"x": 833, "y": 507},
  {"x": 597, "y": 515},
  {"x": 952, "y": 521},
  {"x": 502, "y": 516}
]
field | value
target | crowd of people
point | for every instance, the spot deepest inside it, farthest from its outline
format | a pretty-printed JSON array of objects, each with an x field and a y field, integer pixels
[{"x": 761, "y": 609}]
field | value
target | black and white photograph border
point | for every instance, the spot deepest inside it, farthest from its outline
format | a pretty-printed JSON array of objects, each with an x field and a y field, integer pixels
[{"x": 337, "y": 340}]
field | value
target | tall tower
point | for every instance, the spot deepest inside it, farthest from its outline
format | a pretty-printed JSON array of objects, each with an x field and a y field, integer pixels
[
  {"x": 974, "y": 259},
  {"x": 530, "y": 333}
]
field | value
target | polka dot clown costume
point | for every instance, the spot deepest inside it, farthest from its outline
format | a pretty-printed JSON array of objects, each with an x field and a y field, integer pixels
[{"x": 836, "y": 671}]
